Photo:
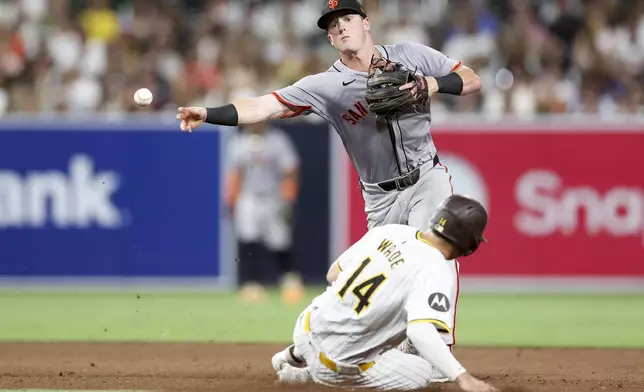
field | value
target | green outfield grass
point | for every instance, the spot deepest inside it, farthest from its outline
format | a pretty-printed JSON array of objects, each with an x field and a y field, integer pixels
[{"x": 601, "y": 320}]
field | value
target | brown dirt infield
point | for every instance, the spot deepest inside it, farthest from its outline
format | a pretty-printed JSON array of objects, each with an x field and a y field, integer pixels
[{"x": 246, "y": 367}]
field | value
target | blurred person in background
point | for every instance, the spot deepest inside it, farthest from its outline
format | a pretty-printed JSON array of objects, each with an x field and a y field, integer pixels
[
  {"x": 556, "y": 56},
  {"x": 99, "y": 22},
  {"x": 262, "y": 188}
]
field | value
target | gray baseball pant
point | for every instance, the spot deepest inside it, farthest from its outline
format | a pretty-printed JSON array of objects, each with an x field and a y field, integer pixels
[{"x": 414, "y": 206}]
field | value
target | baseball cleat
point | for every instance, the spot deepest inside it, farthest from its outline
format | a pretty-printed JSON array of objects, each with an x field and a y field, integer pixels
[
  {"x": 437, "y": 376},
  {"x": 407, "y": 347},
  {"x": 291, "y": 375},
  {"x": 292, "y": 289},
  {"x": 285, "y": 356},
  {"x": 253, "y": 292},
  {"x": 279, "y": 360}
]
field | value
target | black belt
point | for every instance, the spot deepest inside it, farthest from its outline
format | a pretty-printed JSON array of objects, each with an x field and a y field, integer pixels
[{"x": 405, "y": 181}]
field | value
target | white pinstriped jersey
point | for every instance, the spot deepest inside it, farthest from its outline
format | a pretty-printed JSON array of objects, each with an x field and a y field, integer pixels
[{"x": 390, "y": 277}]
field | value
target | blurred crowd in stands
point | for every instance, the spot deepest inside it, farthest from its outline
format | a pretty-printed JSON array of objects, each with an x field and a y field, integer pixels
[{"x": 534, "y": 56}]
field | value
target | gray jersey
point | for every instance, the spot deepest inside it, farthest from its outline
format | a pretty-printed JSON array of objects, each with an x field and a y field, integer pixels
[
  {"x": 262, "y": 159},
  {"x": 378, "y": 151}
]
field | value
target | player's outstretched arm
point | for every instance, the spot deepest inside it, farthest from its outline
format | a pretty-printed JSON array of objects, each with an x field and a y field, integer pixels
[
  {"x": 241, "y": 111},
  {"x": 429, "y": 344}
]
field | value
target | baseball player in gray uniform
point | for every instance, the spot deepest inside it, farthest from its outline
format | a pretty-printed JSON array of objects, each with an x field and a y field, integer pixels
[
  {"x": 262, "y": 186},
  {"x": 396, "y": 159}
]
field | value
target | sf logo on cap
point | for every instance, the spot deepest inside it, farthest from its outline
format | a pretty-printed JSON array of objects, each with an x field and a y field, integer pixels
[{"x": 333, "y": 4}]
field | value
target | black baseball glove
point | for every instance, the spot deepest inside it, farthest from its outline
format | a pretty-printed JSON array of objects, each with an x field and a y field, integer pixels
[{"x": 393, "y": 89}]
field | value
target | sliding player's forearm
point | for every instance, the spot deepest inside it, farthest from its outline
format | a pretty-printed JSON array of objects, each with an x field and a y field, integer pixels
[{"x": 429, "y": 344}]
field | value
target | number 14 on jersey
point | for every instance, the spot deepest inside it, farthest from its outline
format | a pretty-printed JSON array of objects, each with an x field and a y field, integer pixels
[{"x": 364, "y": 289}]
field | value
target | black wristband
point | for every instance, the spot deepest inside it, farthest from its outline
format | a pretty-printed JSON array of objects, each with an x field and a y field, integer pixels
[
  {"x": 450, "y": 84},
  {"x": 222, "y": 115}
]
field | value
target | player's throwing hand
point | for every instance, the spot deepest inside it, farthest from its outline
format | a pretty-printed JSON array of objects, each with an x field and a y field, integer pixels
[
  {"x": 469, "y": 383},
  {"x": 191, "y": 117}
]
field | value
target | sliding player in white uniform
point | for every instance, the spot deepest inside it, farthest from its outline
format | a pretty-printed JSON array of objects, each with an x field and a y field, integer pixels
[{"x": 391, "y": 284}]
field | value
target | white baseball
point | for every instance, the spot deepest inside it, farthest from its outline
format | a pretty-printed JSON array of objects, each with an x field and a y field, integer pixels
[{"x": 143, "y": 97}]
